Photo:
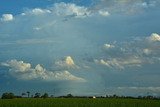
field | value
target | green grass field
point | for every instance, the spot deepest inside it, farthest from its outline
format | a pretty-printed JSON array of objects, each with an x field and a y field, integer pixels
[{"x": 78, "y": 102}]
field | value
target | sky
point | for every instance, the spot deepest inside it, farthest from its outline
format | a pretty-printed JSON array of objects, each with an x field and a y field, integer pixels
[{"x": 82, "y": 47}]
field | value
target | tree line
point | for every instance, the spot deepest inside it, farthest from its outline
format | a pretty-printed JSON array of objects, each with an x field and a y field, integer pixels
[{"x": 10, "y": 95}]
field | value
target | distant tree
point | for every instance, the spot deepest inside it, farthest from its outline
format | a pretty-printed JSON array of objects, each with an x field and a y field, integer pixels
[
  {"x": 149, "y": 97},
  {"x": 69, "y": 95},
  {"x": 115, "y": 96},
  {"x": 45, "y": 95},
  {"x": 8, "y": 96},
  {"x": 28, "y": 93},
  {"x": 37, "y": 95}
]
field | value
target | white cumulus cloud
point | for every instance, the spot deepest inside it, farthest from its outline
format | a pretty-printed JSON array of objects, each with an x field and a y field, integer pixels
[
  {"x": 18, "y": 65},
  {"x": 119, "y": 63},
  {"x": 68, "y": 62},
  {"x": 36, "y": 11},
  {"x": 24, "y": 71},
  {"x": 131, "y": 53},
  {"x": 66, "y": 9},
  {"x": 7, "y": 17},
  {"x": 108, "y": 46},
  {"x": 104, "y": 13},
  {"x": 154, "y": 37}
]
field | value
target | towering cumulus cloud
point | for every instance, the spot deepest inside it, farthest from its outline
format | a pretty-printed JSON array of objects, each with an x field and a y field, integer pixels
[
  {"x": 24, "y": 71},
  {"x": 154, "y": 37},
  {"x": 67, "y": 62}
]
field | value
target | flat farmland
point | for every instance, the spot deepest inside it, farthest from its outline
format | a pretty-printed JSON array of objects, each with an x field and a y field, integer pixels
[{"x": 78, "y": 102}]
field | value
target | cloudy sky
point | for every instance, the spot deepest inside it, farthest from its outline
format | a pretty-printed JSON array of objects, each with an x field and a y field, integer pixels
[{"x": 83, "y": 47}]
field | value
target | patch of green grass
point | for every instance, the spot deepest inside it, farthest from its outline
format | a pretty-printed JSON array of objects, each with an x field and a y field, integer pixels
[{"x": 78, "y": 102}]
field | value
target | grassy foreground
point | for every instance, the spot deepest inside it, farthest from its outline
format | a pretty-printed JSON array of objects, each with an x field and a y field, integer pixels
[{"x": 78, "y": 102}]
